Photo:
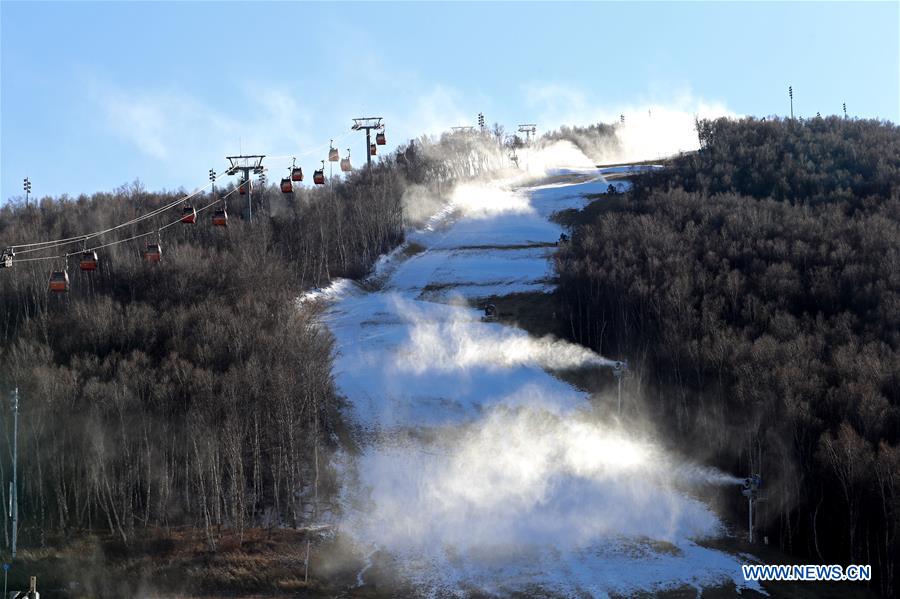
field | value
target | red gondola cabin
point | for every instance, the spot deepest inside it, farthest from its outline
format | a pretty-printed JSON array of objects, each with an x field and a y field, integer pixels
[
  {"x": 189, "y": 215},
  {"x": 319, "y": 177},
  {"x": 287, "y": 186},
  {"x": 296, "y": 174},
  {"x": 380, "y": 139},
  {"x": 59, "y": 281},
  {"x": 244, "y": 188},
  {"x": 220, "y": 217},
  {"x": 373, "y": 149},
  {"x": 153, "y": 252},
  {"x": 88, "y": 261}
]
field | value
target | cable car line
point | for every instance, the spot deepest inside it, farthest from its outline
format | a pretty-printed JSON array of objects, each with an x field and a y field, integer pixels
[
  {"x": 118, "y": 241},
  {"x": 188, "y": 216},
  {"x": 51, "y": 244},
  {"x": 67, "y": 240},
  {"x": 45, "y": 245},
  {"x": 316, "y": 150}
]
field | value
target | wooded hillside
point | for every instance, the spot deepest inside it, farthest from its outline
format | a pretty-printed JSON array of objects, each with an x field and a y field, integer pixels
[
  {"x": 195, "y": 391},
  {"x": 755, "y": 285}
]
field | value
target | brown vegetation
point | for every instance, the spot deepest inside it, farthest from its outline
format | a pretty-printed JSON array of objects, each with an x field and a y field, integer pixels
[
  {"x": 756, "y": 285},
  {"x": 193, "y": 392}
]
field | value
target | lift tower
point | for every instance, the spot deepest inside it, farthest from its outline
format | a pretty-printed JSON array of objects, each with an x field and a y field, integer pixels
[
  {"x": 368, "y": 123},
  {"x": 246, "y": 165},
  {"x": 528, "y": 129}
]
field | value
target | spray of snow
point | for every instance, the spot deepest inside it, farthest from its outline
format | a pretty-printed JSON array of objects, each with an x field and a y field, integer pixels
[
  {"x": 454, "y": 344},
  {"x": 420, "y": 204},
  {"x": 696, "y": 474},
  {"x": 336, "y": 290},
  {"x": 650, "y": 131},
  {"x": 488, "y": 200},
  {"x": 542, "y": 158},
  {"x": 655, "y": 131},
  {"x": 527, "y": 476},
  {"x": 526, "y": 484}
]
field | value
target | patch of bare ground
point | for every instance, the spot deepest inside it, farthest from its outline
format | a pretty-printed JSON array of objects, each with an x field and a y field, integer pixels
[{"x": 177, "y": 563}]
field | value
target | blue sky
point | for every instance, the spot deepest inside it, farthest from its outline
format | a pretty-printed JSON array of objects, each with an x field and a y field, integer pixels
[{"x": 96, "y": 95}]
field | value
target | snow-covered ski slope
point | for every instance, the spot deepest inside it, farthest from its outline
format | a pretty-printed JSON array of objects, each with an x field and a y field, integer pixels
[{"x": 481, "y": 473}]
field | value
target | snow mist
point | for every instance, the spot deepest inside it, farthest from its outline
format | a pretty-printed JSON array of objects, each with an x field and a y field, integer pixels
[
  {"x": 454, "y": 344},
  {"x": 532, "y": 469},
  {"x": 649, "y": 131},
  {"x": 521, "y": 485}
]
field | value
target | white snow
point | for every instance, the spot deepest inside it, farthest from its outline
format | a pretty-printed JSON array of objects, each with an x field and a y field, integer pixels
[{"x": 481, "y": 472}]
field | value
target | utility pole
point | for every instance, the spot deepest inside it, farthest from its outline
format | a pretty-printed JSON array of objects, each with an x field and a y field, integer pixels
[
  {"x": 750, "y": 490},
  {"x": 791, "y": 94},
  {"x": 528, "y": 129},
  {"x": 14, "y": 486},
  {"x": 246, "y": 165},
  {"x": 367, "y": 124},
  {"x": 27, "y": 187},
  {"x": 750, "y": 523},
  {"x": 619, "y": 369},
  {"x": 511, "y": 145}
]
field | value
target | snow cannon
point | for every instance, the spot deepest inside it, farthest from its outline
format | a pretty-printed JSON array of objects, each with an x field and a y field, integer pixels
[
  {"x": 490, "y": 313},
  {"x": 751, "y": 485}
]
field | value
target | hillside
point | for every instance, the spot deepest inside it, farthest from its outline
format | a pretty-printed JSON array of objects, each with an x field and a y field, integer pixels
[{"x": 755, "y": 285}]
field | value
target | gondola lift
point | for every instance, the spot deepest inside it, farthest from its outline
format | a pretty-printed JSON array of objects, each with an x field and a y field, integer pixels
[
  {"x": 88, "y": 261},
  {"x": 296, "y": 172},
  {"x": 59, "y": 281},
  {"x": 244, "y": 187},
  {"x": 380, "y": 139},
  {"x": 188, "y": 214},
  {"x": 153, "y": 251},
  {"x": 373, "y": 150},
  {"x": 319, "y": 175},
  {"x": 220, "y": 217},
  {"x": 333, "y": 155},
  {"x": 345, "y": 163},
  {"x": 286, "y": 186}
]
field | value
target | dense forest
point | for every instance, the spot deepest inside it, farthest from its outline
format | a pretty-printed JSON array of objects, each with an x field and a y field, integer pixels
[
  {"x": 755, "y": 286},
  {"x": 195, "y": 391}
]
